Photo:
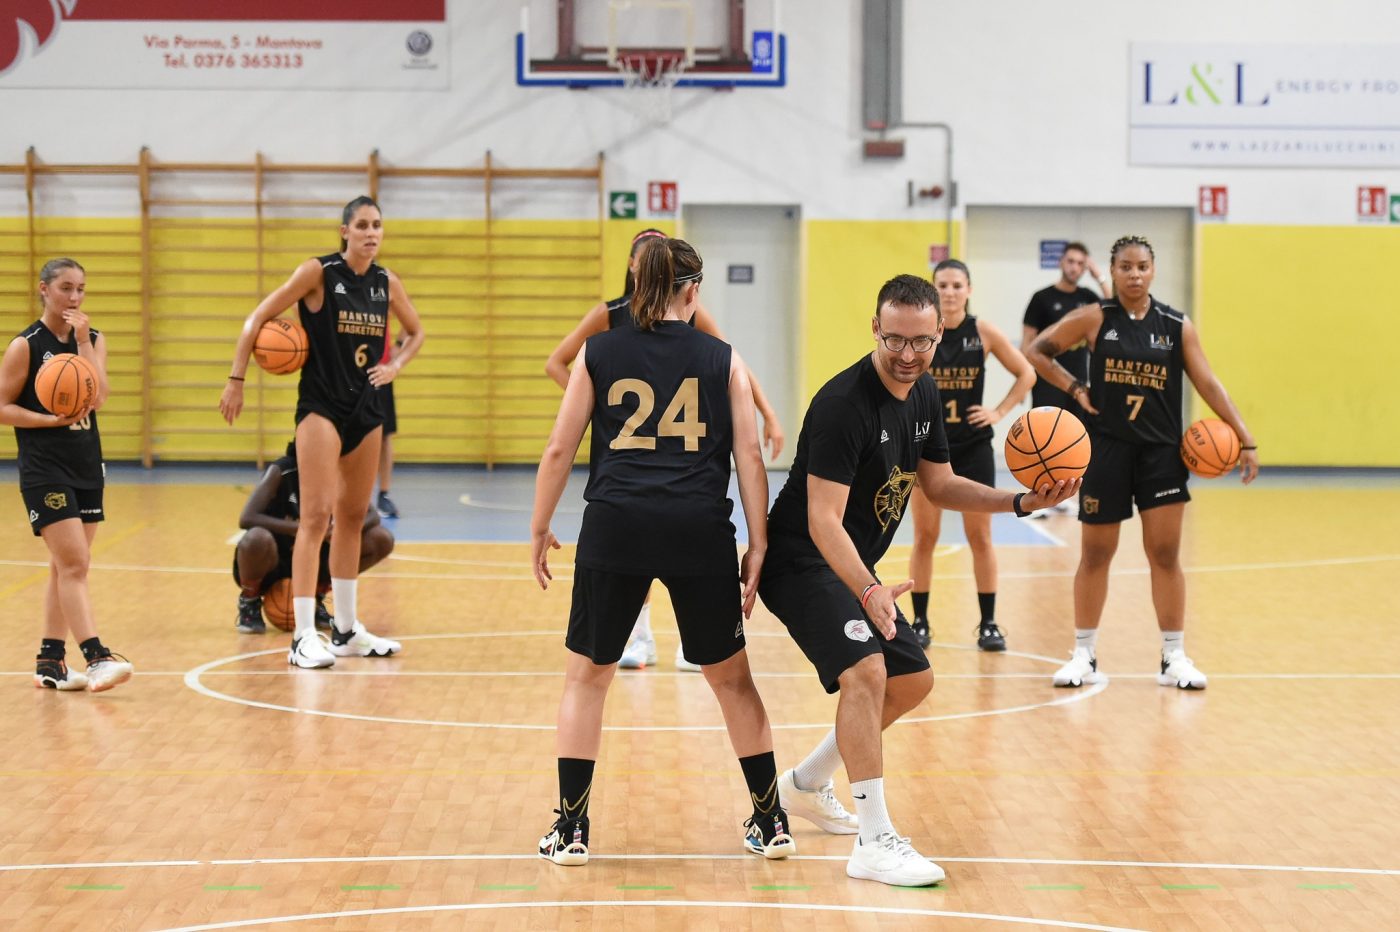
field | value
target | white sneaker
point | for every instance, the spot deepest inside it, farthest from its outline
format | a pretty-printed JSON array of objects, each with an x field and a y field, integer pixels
[
  {"x": 685, "y": 666},
  {"x": 768, "y": 837},
  {"x": 640, "y": 654},
  {"x": 567, "y": 843},
  {"x": 360, "y": 643},
  {"x": 819, "y": 806},
  {"x": 892, "y": 860},
  {"x": 309, "y": 652},
  {"x": 109, "y": 671},
  {"x": 1179, "y": 671},
  {"x": 56, "y": 675},
  {"x": 1082, "y": 668}
]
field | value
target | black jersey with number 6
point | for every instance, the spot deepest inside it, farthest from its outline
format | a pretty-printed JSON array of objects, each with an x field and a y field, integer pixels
[
  {"x": 345, "y": 337},
  {"x": 1135, "y": 374},
  {"x": 959, "y": 368},
  {"x": 658, "y": 474},
  {"x": 69, "y": 455}
]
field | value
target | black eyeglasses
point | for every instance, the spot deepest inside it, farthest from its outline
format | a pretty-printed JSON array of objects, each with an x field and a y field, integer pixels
[{"x": 896, "y": 344}]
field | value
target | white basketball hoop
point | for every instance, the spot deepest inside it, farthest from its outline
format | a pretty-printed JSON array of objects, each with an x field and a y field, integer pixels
[
  {"x": 650, "y": 74},
  {"x": 649, "y": 81}
]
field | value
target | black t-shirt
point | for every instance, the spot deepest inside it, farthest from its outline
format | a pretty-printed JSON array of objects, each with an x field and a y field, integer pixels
[
  {"x": 959, "y": 367},
  {"x": 286, "y": 502},
  {"x": 658, "y": 472},
  {"x": 1047, "y": 307},
  {"x": 346, "y": 338},
  {"x": 858, "y": 434},
  {"x": 70, "y": 455},
  {"x": 1136, "y": 374}
]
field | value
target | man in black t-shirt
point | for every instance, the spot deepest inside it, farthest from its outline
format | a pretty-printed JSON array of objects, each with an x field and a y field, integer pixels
[
  {"x": 1049, "y": 305},
  {"x": 870, "y": 434}
]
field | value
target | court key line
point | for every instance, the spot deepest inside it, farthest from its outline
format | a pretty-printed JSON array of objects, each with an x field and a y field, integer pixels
[{"x": 194, "y": 682}]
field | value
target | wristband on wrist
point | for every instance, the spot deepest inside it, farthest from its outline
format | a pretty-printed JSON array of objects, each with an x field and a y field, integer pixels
[
  {"x": 1249, "y": 448},
  {"x": 867, "y": 592},
  {"x": 1075, "y": 386},
  {"x": 236, "y": 378},
  {"x": 1016, "y": 506}
]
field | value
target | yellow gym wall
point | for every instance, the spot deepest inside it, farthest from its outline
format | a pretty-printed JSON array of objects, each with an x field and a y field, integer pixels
[
  {"x": 1299, "y": 326},
  {"x": 846, "y": 262}
]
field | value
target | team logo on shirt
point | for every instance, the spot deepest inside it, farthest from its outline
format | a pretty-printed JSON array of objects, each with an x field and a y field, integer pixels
[
  {"x": 379, "y": 294},
  {"x": 1111, "y": 335},
  {"x": 972, "y": 343},
  {"x": 858, "y": 630},
  {"x": 921, "y": 430},
  {"x": 884, "y": 436},
  {"x": 47, "y": 355},
  {"x": 56, "y": 500},
  {"x": 894, "y": 495},
  {"x": 1161, "y": 342},
  {"x": 340, "y": 288}
]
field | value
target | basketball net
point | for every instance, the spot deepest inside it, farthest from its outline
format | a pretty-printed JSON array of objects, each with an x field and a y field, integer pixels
[{"x": 650, "y": 83}]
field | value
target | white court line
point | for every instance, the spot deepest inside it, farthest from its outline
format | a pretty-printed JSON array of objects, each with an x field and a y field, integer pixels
[
  {"x": 1038, "y": 526},
  {"x": 654, "y": 904},
  {"x": 193, "y": 679},
  {"x": 747, "y": 858},
  {"x": 519, "y": 509},
  {"x": 676, "y": 674}
]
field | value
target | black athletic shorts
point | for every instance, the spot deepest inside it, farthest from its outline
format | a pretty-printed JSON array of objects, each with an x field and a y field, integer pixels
[
  {"x": 709, "y": 614},
  {"x": 391, "y": 416},
  {"x": 352, "y": 428},
  {"x": 1121, "y": 473},
  {"x": 975, "y": 461},
  {"x": 827, "y": 622},
  {"x": 49, "y": 504},
  {"x": 283, "y": 569}
]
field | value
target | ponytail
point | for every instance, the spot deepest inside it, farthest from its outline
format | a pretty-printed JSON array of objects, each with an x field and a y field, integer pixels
[
  {"x": 664, "y": 267},
  {"x": 638, "y": 241}
]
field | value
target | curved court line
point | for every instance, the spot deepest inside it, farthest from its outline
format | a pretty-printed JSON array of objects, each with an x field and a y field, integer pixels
[
  {"x": 652, "y": 904},
  {"x": 192, "y": 679},
  {"x": 747, "y": 858}
]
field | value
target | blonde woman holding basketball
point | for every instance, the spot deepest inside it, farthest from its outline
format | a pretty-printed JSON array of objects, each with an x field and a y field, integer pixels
[
  {"x": 344, "y": 301},
  {"x": 61, "y": 477},
  {"x": 1139, "y": 350}
]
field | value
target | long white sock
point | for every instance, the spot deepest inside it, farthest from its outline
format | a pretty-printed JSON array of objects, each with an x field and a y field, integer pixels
[
  {"x": 1173, "y": 640},
  {"x": 343, "y": 591},
  {"x": 870, "y": 809},
  {"x": 642, "y": 629},
  {"x": 816, "y": 768},
  {"x": 1083, "y": 637},
  {"x": 304, "y": 613}
]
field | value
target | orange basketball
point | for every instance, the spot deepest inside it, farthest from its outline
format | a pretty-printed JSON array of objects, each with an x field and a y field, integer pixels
[
  {"x": 1210, "y": 448},
  {"x": 1045, "y": 445},
  {"x": 66, "y": 384},
  {"x": 280, "y": 347},
  {"x": 277, "y": 605}
]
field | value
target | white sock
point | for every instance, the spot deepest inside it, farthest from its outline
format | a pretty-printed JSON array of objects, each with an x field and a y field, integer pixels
[
  {"x": 343, "y": 591},
  {"x": 304, "y": 611},
  {"x": 1173, "y": 640},
  {"x": 1083, "y": 637},
  {"x": 816, "y": 768},
  {"x": 642, "y": 629},
  {"x": 870, "y": 809}
]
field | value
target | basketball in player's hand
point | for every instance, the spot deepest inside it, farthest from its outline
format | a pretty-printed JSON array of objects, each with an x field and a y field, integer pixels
[
  {"x": 280, "y": 347},
  {"x": 1045, "y": 445},
  {"x": 1210, "y": 448},
  {"x": 66, "y": 384}
]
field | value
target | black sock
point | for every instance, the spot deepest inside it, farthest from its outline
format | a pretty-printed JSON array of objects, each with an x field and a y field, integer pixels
[
  {"x": 51, "y": 649},
  {"x": 575, "y": 786},
  {"x": 93, "y": 650},
  {"x": 920, "y": 604},
  {"x": 761, "y": 774},
  {"x": 987, "y": 602}
]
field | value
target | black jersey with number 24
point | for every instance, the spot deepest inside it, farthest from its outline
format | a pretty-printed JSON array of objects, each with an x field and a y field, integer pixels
[
  {"x": 346, "y": 338},
  {"x": 1135, "y": 374},
  {"x": 658, "y": 474},
  {"x": 69, "y": 455}
]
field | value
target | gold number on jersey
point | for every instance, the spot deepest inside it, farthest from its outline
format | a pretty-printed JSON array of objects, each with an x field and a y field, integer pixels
[
  {"x": 83, "y": 423},
  {"x": 1136, "y": 401},
  {"x": 680, "y": 419},
  {"x": 952, "y": 417},
  {"x": 361, "y": 356},
  {"x": 646, "y": 400},
  {"x": 682, "y": 416}
]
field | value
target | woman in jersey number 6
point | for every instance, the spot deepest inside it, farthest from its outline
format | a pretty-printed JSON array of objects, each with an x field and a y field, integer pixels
[
  {"x": 1139, "y": 349},
  {"x": 344, "y": 301}
]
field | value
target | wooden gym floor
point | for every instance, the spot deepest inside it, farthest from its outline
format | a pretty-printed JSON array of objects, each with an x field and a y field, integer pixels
[{"x": 222, "y": 789}]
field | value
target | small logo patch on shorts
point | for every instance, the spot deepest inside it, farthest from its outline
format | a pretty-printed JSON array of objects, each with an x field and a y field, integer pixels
[
  {"x": 56, "y": 500},
  {"x": 1091, "y": 505},
  {"x": 738, "y": 630},
  {"x": 858, "y": 630},
  {"x": 33, "y": 516}
]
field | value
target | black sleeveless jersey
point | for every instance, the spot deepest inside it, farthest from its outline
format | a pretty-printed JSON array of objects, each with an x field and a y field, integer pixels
[
  {"x": 658, "y": 473},
  {"x": 1135, "y": 375},
  {"x": 620, "y": 312},
  {"x": 346, "y": 338},
  {"x": 286, "y": 501},
  {"x": 959, "y": 368},
  {"x": 69, "y": 455}
]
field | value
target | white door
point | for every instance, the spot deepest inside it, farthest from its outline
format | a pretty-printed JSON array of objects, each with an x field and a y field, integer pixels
[
  {"x": 751, "y": 287},
  {"x": 1003, "y": 254}
]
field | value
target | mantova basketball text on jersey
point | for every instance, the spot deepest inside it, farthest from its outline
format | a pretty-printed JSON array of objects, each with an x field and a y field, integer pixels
[{"x": 1136, "y": 375}]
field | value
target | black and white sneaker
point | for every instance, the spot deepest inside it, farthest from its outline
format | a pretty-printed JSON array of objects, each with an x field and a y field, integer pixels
[
  {"x": 250, "y": 617},
  {"x": 767, "y": 835},
  {"x": 53, "y": 673},
  {"x": 325, "y": 621},
  {"x": 567, "y": 842},
  {"x": 921, "y": 632},
  {"x": 386, "y": 507},
  {"x": 989, "y": 637}
]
